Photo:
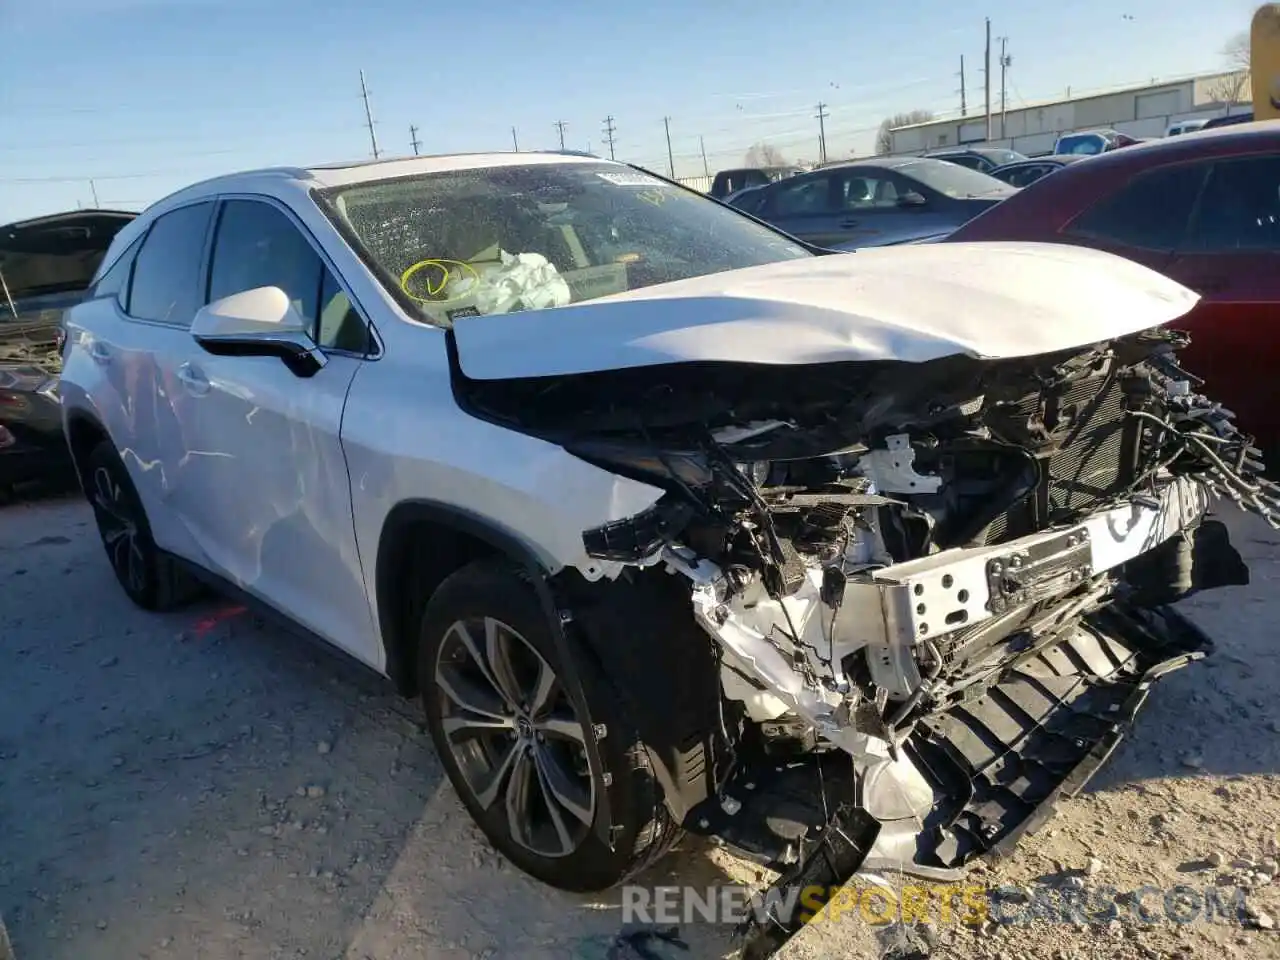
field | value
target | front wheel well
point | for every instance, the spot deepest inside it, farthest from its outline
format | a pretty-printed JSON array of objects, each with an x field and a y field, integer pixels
[
  {"x": 83, "y": 435},
  {"x": 423, "y": 543}
]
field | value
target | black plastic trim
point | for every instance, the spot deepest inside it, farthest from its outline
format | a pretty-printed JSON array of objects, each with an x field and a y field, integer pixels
[{"x": 302, "y": 360}]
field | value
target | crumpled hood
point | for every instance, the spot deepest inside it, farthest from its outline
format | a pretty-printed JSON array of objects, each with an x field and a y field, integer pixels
[{"x": 911, "y": 303}]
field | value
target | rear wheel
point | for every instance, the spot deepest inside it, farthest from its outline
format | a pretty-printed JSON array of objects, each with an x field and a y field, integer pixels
[
  {"x": 148, "y": 577},
  {"x": 515, "y": 748}
]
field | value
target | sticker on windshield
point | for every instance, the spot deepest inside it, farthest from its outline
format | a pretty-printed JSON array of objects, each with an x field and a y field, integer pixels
[{"x": 627, "y": 179}]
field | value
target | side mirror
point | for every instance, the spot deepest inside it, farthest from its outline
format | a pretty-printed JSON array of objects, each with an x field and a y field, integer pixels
[
  {"x": 912, "y": 199},
  {"x": 258, "y": 323}
]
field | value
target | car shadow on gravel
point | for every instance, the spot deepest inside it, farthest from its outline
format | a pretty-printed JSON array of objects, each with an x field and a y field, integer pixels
[{"x": 196, "y": 784}]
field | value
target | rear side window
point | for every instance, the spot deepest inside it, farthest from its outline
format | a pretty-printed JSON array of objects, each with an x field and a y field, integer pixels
[
  {"x": 115, "y": 282},
  {"x": 166, "y": 273},
  {"x": 1151, "y": 212},
  {"x": 1240, "y": 208}
]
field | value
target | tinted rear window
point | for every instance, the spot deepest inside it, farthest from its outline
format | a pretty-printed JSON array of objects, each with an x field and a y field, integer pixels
[
  {"x": 166, "y": 274},
  {"x": 1152, "y": 211}
]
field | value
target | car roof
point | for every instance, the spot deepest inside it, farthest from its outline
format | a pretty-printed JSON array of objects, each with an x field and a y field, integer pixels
[
  {"x": 344, "y": 173},
  {"x": 884, "y": 163},
  {"x": 955, "y": 151},
  {"x": 1059, "y": 158},
  {"x": 1062, "y": 195},
  {"x": 1197, "y": 142}
]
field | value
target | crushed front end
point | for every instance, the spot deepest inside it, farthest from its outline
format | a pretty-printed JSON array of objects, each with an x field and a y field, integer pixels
[{"x": 937, "y": 593}]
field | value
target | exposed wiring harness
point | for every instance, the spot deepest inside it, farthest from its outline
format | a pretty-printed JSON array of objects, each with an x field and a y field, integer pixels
[{"x": 1200, "y": 437}]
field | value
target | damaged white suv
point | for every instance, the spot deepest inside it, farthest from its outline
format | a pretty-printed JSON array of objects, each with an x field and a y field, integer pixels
[{"x": 673, "y": 523}]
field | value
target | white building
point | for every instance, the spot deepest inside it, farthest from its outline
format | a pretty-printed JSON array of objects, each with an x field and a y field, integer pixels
[{"x": 1143, "y": 111}]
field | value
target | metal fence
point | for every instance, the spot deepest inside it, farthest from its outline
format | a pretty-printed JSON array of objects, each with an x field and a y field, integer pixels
[{"x": 702, "y": 184}]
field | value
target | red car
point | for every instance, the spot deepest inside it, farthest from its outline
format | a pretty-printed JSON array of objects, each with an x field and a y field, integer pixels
[{"x": 1203, "y": 209}]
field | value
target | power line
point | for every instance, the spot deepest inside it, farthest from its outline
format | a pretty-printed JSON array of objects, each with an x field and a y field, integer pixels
[
  {"x": 671, "y": 160},
  {"x": 414, "y": 141},
  {"x": 822, "y": 132},
  {"x": 608, "y": 134},
  {"x": 368, "y": 115},
  {"x": 560, "y": 125}
]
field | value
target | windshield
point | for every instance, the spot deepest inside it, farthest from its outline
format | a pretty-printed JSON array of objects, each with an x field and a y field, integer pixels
[
  {"x": 510, "y": 238},
  {"x": 953, "y": 180}
]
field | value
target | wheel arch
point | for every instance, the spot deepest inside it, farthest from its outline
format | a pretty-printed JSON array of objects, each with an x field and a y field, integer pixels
[
  {"x": 83, "y": 431},
  {"x": 424, "y": 541},
  {"x": 421, "y": 543}
]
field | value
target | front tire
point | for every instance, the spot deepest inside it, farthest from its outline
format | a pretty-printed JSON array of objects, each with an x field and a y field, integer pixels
[
  {"x": 513, "y": 746},
  {"x": 147, "y": 576}
]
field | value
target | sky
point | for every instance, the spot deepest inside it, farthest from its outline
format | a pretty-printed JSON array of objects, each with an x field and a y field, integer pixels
[{"x": 144, "y": 96}]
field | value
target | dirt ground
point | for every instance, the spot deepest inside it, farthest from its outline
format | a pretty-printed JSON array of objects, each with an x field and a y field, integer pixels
[{"x": 196, "y": 786}]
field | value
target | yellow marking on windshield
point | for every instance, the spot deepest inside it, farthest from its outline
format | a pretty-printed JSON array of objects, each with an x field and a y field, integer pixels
[{"x": 434, "y": 283}]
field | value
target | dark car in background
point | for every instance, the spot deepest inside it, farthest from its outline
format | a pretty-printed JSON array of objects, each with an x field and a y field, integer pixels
[
  {"x": 728, "y": 182},
  {"x": 45, "y": 266},
  {"x": 1202, "y": 208},
  {"x": 874, "y": 202},
  {"x": 982, "y": 159},
  {"x": 1229, "y": 121},
  {"x": 1025, "y": 172}
]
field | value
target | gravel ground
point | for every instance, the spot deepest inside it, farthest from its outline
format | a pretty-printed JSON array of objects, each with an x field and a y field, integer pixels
[{"x": 197, "y": 786}]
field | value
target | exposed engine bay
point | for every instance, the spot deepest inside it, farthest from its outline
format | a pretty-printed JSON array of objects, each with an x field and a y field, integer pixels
[{"x": 937, "y": 592}]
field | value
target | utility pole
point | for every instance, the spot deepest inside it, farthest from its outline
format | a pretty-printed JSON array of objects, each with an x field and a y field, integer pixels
[
  {"x": 413, "y": 139},
  {"x": 368, "y": 116},
  {"x": 671, "y": 160},
  {"x": 608, "y": 135},
  {"x": 964, "y": 101},
  {"x": 560, "y": 125},
  {"x": 515, "y": 143},
  {"x": 1006, "y": 61},
  {"x": 706, "y": 171},
  {"x": 822, "y": 132},
  {"x": 987, "y": 77},
  {"x": 93, "y": 189}
]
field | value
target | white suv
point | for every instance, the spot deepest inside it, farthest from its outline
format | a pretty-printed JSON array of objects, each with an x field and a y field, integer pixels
[{"x": 671, "y": 522}]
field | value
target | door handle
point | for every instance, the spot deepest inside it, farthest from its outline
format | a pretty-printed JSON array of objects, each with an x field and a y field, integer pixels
[
  {"x": 193, "y": 380},
  {"x": 848, "y": 224},
  {"x": 98, "y": 352}
]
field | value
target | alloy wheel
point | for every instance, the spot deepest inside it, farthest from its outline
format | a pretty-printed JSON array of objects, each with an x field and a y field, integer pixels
[
  {"x": 516, "y": 739},
  {"x": 119, "y": 530}
]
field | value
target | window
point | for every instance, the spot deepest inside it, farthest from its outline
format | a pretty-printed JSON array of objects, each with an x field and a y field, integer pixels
[
  {"x": 751, "y": 201},
  {"x": 115, "y": 282},
  {"x": 257, "y": 245},
  {"x": 952, "y": 180},
  {"x": 874, "y": 190},
  {"x": 166, "y": 273},
  {"x": 1083, "y": 143},
  {"x": 1021, "y": 176},
  {"x": 1149, "y": 212},
  {"x": 1240, "y": 208},
  {"x": 804, "y": 197},
  {"x": 449, "y": 244}
]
